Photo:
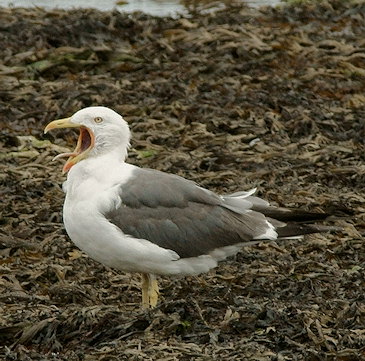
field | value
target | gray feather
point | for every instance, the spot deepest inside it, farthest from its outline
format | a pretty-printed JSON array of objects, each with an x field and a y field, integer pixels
[{"x": 177, "y": 214}]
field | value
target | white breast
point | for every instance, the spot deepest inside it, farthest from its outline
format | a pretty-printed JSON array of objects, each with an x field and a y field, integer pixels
[{"x": 92, "y": 189}]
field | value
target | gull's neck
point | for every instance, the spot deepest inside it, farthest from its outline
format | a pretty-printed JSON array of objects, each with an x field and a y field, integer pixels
[
  {"x": 105, "y": 160},
  {"x": 103, "y": 169},
  {"x": 119, "y": 152}
]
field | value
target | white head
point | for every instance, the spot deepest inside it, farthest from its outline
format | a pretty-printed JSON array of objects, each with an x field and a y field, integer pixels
[{"x": 102, "y": 130}]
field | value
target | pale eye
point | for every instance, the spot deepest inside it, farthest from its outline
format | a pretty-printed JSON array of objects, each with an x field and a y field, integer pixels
[{"x": 98, "y": 120}]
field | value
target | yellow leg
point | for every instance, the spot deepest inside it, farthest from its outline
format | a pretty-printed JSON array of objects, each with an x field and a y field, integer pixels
[
  {"x": 145, "y": 301},
  {"x": 150, "y": 290}
]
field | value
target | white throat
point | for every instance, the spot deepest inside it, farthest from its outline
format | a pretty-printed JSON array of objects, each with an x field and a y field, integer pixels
[{"x": 97, "y": 173}]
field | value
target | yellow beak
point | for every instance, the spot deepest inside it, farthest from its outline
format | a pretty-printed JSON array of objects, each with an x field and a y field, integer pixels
[
  {"x": 85, "y": 142},
  {"x": 60, "y": 123}
]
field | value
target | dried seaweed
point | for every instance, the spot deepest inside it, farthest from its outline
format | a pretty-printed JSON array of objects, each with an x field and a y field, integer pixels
[{"x": 242, "y": 97}]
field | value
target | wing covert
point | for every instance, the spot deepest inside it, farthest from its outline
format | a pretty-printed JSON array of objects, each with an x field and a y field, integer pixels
[{"x": 177, "y": 214}]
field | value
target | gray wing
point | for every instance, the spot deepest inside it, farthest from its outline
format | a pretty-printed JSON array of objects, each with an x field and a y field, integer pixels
[{"x": 177, "y": 214}]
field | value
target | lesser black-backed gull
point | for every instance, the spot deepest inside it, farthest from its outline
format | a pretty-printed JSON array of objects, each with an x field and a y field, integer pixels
[{"x": 147, "y": 221}]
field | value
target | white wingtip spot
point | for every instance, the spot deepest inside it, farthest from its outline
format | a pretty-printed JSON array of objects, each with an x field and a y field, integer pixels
[
  {"x": 269, "y": 234},
  {"x": 243, "y": 194}
]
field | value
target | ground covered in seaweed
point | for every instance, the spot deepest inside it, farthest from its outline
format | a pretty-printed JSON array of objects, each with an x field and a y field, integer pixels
[{"x": 241, "y": 98}]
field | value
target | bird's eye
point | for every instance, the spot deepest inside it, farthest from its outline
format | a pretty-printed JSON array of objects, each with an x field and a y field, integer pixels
[{"x": 98, "y": 120}]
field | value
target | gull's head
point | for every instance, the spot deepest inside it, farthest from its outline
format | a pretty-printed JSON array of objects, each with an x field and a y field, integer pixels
[{"x": 102, "y": 130}]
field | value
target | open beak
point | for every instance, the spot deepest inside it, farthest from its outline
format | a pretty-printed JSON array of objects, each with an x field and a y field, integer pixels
[{"x": 85, "y": 142}]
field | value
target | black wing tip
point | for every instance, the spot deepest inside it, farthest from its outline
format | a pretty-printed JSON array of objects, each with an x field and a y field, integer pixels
[
  {"x": 298, "y": 229},
  {"x": 294, "y": 215}
]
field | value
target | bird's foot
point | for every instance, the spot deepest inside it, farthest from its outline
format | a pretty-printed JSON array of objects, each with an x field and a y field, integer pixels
[{"x": 150, "y": 291}]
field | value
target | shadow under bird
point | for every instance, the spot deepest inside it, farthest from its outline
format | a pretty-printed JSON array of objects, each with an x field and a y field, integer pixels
[{"x": 155, "y": 223}]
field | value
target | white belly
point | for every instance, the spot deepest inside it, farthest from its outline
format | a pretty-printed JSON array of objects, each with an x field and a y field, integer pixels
[{"x": 90, "y": 195}]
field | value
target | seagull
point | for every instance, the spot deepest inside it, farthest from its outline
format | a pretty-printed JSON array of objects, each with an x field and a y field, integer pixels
[{"x": 155, "y": 223}]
